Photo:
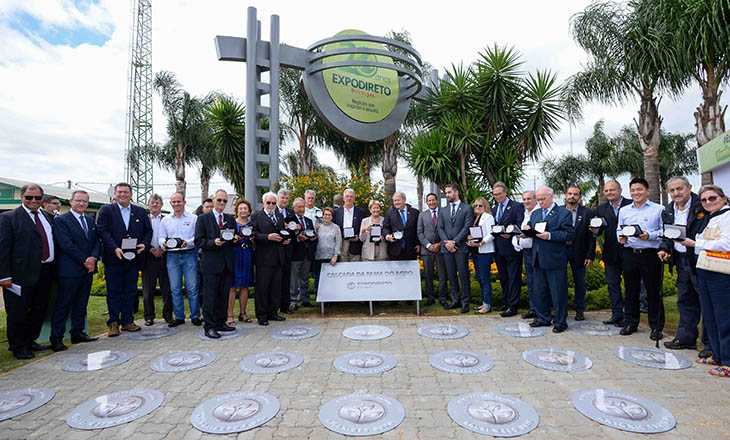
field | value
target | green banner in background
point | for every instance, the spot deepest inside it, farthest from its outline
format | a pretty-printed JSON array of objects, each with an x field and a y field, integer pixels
[{"x": 715, "y": 153}]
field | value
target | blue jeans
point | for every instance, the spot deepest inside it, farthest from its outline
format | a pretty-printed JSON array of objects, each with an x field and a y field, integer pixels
[
  {"x": 483, "y": 272},
  {"x": 179, "y": 265},
  {"x": 715, "y": 300}
]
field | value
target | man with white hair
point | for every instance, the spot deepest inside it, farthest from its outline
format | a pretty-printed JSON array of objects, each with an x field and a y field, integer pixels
[
  {"x": 401, "y": 220},
  {"x": 282, "y": 207},
  {"x": 315, "y": 214},
  {"x": 525, "y": 245},
  {"x": 348, "y": 218}
]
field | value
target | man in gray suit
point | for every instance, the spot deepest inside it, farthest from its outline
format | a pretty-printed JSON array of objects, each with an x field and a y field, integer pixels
[
  {"x": 431, "y": 249},
  {"x": 453, "y": 226}
]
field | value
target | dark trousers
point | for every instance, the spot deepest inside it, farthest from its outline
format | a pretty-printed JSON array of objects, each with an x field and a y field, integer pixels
[
  {"x": 457, "y": 270},
  {"x": 579, "y": 284},
  {"x": 316, "y": 267},
  {"x": 25, "y": 312},
  {"x": 688, "y": 302},
  {"x": 121, "y": 291},
  {"x": 613, "y": 283},
  {"x": 268, "y": 291},
  {"x": 643, "y": 266},
  {"x": 510, "y": 278},
  {"x": 156, "y": 269},
  {"x": 551, "y": 285},
  {"x": 715, "y": 299},
  {"x": 284, "y": 286},
  {"x": 429, "y": 260},
  {"x": 529, "y": 276},
  {"x": 215, "y": 299},
  {"x": 73, "y": 296}
]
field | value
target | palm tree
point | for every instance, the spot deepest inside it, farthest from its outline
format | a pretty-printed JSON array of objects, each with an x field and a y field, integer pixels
[
  {"x": 226, "y": 119},
  {"x": 289, "y": 162}
]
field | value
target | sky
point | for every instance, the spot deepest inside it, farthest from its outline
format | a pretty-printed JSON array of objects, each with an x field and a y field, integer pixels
[{"x": 64, "y": 69}]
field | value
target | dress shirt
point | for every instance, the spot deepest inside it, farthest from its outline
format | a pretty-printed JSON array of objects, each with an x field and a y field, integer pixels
[
  {"x": 347, "y": 216},
  {"x": 573, "y": 212},
  {"x": 432, "y": 212},
  {"x": 680, "y": 218},
  {"x": 47, "y": 228},
  {"x": 717, "y": 233},
  {"x": 523, "y": 243},
  {"x": 173, "y": 226},
  {"x": 82, "y": 221},
  {"x": 503, "y": 207},
  {"x": 311, "y": 213},
  {"x": 219, "y": 218},
  {"x": 155, "y": 221},
  {"x": 648, "y": 217},
  {"x": 616, "y": 207},
  {"x": 454, "y": 208},
  {"x": 126, "y": 213}
]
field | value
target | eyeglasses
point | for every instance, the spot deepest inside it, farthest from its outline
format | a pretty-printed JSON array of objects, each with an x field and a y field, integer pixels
[
  {"x": 222, "y": 200},
  {"x": 33, "y": 197},
  {"x": 271, "y": 203},
  {"x": 478, "y": 206},
  {"x": 79, "y": 201},
  {"x": 710, "y": 199}
]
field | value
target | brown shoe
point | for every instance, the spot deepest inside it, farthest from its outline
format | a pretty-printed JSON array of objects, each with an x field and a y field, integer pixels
[
  {"x": 131, "y": 327},
  {"x": 113, "y": 329}
]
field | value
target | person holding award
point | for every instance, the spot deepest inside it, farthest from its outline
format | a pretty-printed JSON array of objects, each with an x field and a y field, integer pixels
[
  {"x": 329, "y": 239},
  {"x": 243, "y": 275},
  {"x": 481, "y": 242},
  {"x": 371, "y": 234},
  {"x": 348, "y": 218},
  {"x": 400, "y": 228},
  {"x": 304, "y": 239}
]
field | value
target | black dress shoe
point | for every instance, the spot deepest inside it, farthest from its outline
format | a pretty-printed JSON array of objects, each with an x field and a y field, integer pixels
[
  {"x": 656, "y": 335},
  {"x": 58, "y": 346},
  {"x": 507, "y": 313},
  {"x": 621, "y": 323},
  {"x": 34, "y": 346},
  {"x": 23, "y": 353},
  {"x": 176, "y": 322},
  {"x": 149, "y": 322},
  {"x": 287, "y": 312},
  {"x": 501, "y": 309},
  {"x": 225, "y": 328},
  {"x": 676, "y": 344},
  {"x": 465, "y": 308},
  {"x": 579, "y": 316},
  {"x": 212, "y": 333},
  {"x": 429, "y": 302},
  {"x": 613, "y": 320},
  {"x": 263, "y": 322},
  {"x": 704, "y": 353},
  {"x": 559, "y": 329},
  {"x": 197, "y": 322},
  {"x": 452, "y": 306},
  {"x": 277, "y": 318},
  {"x": 627, "y": 330},
  {"x": 529, "y": 315},
  {"x": 169, "y": 320},
  {"x": 537, "y": 323},
  {"x": 83, "y": 337}
]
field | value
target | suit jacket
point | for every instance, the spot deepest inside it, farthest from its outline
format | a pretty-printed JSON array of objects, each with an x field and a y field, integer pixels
[
  {"x": 455, "y": 228},
  {"x": 21, "y": 248},
  {"x": 357, "y": 216},
  {"x": 267, "y": 252},
  {"x": 514, "y": 214},
  {"x": 583, "y": 245},
  {"x": 213, "y": 259},
  {"x": 110, "y": 226},
  {"x": 393, "y": 222},
  {"x": 301, "y": 249},
  {"x": 288, "y": 215},
  {"x": 693, "y": 227},
  {"x": 74, "y": 245},
  {"x": 611, "y": 253},
  {"x": 427, "y": 231},
  {"x": 552, "y": 254}
]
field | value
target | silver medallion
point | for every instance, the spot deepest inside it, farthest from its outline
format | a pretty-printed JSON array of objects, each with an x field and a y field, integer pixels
[
  {"x": 114, "y": 409},
  {"x": 16, "y": 402},
  {"x": 365, "y": 362},
  {"x": 367, "y": 332},
  {"x": 240, "y": 331},
  {"x": 97, "y": 360},
  {"x": 595, "y": 328},
  {"x": 519, "y": 330},
  {"x": 294, "y": 332},
  {"x": 361, "y": 414},
  {"x": 235, "y": 412},
  {"x": 461, "y": 362},
  {"x": 156, "y": 332},
  {"x": 271, "y": 362},
  {"x": 623, "y": 411},
  {"x": 443, "y": 331},
  {"x": 182, "y": 361},
  {"x": 494, "y": 414},
  {"x": 653, "y": 358},
  {"x": 557, "y": 360}
]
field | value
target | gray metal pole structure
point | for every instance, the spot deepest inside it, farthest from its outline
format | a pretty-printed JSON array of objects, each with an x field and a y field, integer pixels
[
  {"x": 251, "y": 119},
  {"x": 274, "y": 74}
]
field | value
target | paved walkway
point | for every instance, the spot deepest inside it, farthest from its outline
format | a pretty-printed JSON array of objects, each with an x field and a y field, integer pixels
[{"x": 698, "y": 401}]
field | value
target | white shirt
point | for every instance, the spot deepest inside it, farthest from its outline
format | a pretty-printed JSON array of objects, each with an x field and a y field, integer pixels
[
  {"x": 173, "y": 226},
  {"x": 347, "y": 216},
  {"x": 311, "y": 213},
  {"x": 155, "y": 229},
  {"x": 47, "y": 228},
  {"x": 523, "y": 243},
  {"x": 718, "y": 227},
  {"x": 219, "y": 219},
  {"x": 126, "y": 214},
  {"x": 486, "y": 221},
  {"x": 648, "y": 217},
  {"x": 680, "y": 218}
]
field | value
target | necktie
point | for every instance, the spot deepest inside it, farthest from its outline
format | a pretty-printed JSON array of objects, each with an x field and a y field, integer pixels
[
  {"x": 301, "y": 222},
  {"x": 499, "y": 212},
  {"x": 46, "y": 252},
  {"x": 435, "y": 220},
  {"x": 403, "y": 216},
  {"x": 544, "y": 213},
  {"x": 273, "y": 218},
  {"x": 453, "y": 209},
  {"x": 220, "y": 221},
  {"x": 83, "y": 225}
]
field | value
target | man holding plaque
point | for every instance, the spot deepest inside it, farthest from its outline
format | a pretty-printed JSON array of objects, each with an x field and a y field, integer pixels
[
  {"x": 291, "y": 228},
  {"x": 303, "y": 241},
  {"x": 640, "y": 230},
  {"x": 431, "y": 254},
  {"x": 154, "y": 268},
  {"x": 348, "y": 218},
  {"x": 509, "y": 261},
  {"x": 581, "y": 249},
  {"x": 315, "y": 214},
  {"x": 126, "y": 232},
  {"x": 525, "y": 245},
  {"x": 453, "y": 227},
  {"x": 400, "y": 228}
]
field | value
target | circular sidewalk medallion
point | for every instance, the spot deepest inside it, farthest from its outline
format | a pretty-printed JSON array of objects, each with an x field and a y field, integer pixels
[
  {"x": 623, "y": 411},
  {"x": 97, "y": 360},
  {"x": 271, "y": 362},
  {"x": 365, "y": 362},
  {"x": 461, "y": 362},
  {"x": 235, "y": 412},
  {"x": 595, "y": 328},
  {"x": 653, "y": 358},
  {"x": 557, "y": 360},
  {"x": 240, "y": 331},
  {"x": 361, "y": 414},
  {"x": 443, "y": 331},
  {"x": 494, "y": 414},
  {"x": 294, "y": 332},
  {"x": 16, "y": 402},
  {"x": 156, "y": 332},
  {"x": 182, "y": 361},
  {"x": 519, "y": 330},
  {"x": 114, "y": 409},
  {"x": 367, "y": 332}
]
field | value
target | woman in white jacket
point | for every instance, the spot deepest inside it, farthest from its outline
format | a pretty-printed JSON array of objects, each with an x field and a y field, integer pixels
[{"x": 483, "y": 252}]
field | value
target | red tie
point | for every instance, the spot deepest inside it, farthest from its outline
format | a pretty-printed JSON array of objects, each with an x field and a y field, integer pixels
[
  {"x": 220, "y": 221},
  {"x": 301, "y": 222},
  {"x": 434, "y": 218},
  {"x": 44, "y": 238}
]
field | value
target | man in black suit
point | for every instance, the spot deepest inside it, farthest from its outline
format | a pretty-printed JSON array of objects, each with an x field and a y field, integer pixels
[
  {"x": 402, "y": 218},
  {"x": 453, "y": 227},
  {"x": 302, "y": 246},
  {"x": 348, "y": 218},
  {"x": 154, "y": 268},
  {"x": 611, "y": 252},
  {"x": 26, "y": 254},
  {"x": 269, "y": 257},
  {"x": 78, "y": 251},
  {"x": 216, "y": 264},
  {"x": 116, "y": 222},
  {"x": 581, "y": 249},
  {"x": 428, "y": 235},
  {"x": 509, "y": 261},
  {"x": 282, "y": 207}
]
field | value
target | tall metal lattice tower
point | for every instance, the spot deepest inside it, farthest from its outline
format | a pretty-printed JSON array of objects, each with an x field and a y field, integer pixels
[{"x": 138, "y": 163}]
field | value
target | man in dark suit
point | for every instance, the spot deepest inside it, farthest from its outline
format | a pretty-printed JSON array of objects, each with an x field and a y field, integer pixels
[
  {"x": 26, "y": 254},
  {"x": 302, "y": 247},
  {"x": 453, "y": 227},
  {"x": 154, "y": 268},
  {"x": 349, "y": 217},
  {"x": 282, "y": 207},
  {"x": 581, "y": 249},
  {"x": 404, "y": 219},
  {"x": 611, "y": 252},
  {"x": 509, "y": 261},
  {"x": 216, "y": 264},
  {"x": 269, "y": 257},
  {"x": 550, "y": 257},
  {"x": 78, "y": 251},
  {"x": 116, "y": 222},
  {"x": 428, "y": 236}
]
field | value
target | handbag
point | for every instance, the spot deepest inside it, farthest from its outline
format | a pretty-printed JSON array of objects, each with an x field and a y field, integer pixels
[{"x": 714, "y": 261}]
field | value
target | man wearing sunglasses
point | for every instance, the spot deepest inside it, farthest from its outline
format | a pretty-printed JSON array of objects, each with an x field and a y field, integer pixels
[{"x": 26, "y": 254}]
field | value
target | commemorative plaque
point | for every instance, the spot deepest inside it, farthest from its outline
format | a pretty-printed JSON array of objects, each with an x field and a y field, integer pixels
[
  {"x": 235, "y": 412},
  {"x": 247, "y": 231},
  {"x": 675, "y": 232},
  {"x": 97, "y": 360},
  {"x": 16, "y": 402},
  {"x": 156, "y": 332},
  {"x": 182, "y": 361},
  {"x": 653, "y": 358},
  {"x": 623, "y": 411},
  {"x": 174, "y": 243},
  {"x": 227, "y": 234},
  {"x": 595, "y": 328},
  {"x": 494, "y": 414},
  {"x": 557, "y": 360},
  {"x": 294, "y": 332},
  {"x": 518, "y": 330},
  {"x": 365, "y": 362},
  {"x": 376, "y": 234},
  {"x": 443, "y": 331},
  {"x": 271, "y": 362},
  {"x": 476, "y": 234},
  {"x": 114, "y": 409},
  {"x": 129, "y": 248},
  {"x": 631, "y": 231},
  {"x": 461, "y": 362},
  {"x": 367, "y": 332},
  {"x": 361, "y": 414},
  {"x": 240, "y": 331},
  {"x": 598, "y": 222}
]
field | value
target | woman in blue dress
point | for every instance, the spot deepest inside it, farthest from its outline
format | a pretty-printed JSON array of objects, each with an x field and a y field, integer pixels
[{"x": 243, "y": 276}]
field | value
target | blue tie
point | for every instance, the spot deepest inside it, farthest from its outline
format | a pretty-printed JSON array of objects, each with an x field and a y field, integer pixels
[
  {"x": 499, "y": 212},
  {"x": 403, "y": 216},
  {"x": 544, "y": 214}
]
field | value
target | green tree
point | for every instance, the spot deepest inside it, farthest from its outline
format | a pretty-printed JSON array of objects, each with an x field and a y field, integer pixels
[{"x": 226, "y": 119}]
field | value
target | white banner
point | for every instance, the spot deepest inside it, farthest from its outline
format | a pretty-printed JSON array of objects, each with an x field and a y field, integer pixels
[{"x": 370, "y": 281}]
